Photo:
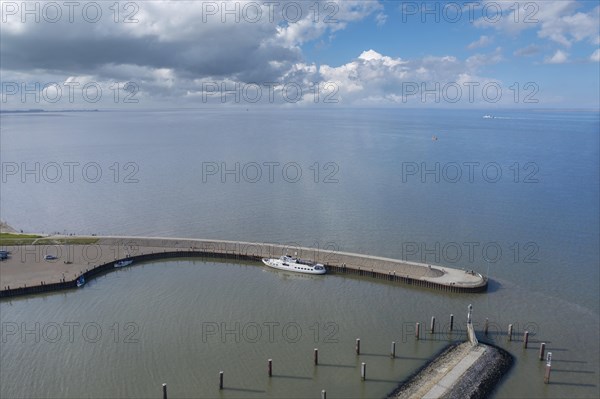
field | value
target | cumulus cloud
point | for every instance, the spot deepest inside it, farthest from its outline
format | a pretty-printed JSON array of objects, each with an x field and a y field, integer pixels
[
  {"x": 249, "y": 41},
  {"x": 182, "y": 51},
  {"x": 332, "y": 17},
  {"x": 527, "y": 51},
  {"x": 481, "y": 42},
  {"x": 560, "y": 57},
  {"x": 373, "y": 78},
  {"x": 569, "y": 29},
  {"x": 558, "y": 20},
  {"x": 167, "y": 36},
  {"x": 381, "y": 19},
  {"x": 595, "y": 57},
  {"x": 476, "y": 61}
]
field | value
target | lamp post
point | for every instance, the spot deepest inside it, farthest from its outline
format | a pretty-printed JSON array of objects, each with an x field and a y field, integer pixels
[{"x": 488, "y": 267}]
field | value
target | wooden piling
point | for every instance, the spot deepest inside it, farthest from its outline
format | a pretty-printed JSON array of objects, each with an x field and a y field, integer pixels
[
  {"x": 270, "y": 367},
  {"x": 220, "y": 380},
  {"x": 548, "y": 368},
  {"x": 451, "y": 322},
  {"x": 510, "y": 328},
  {"x": 417, "y": 330},
  {"x": 485, "y": 326},
  {"x": 164, "y": 391},
  {"x": 357, "y": 346},
  {"x": 542, "y": 350},
  {"x": 547, "y": 373},
  {"x": 526, "y": 339},
  {"x": 316, "y": 356},
  {"x": 363, "y": 371},
  {"x": 432, "y": 324},
  {"x": 393, "y": 353}
]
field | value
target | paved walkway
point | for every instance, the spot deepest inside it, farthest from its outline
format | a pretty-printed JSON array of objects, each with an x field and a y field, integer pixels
[
  {"x": 443, "y": 374},
  {"x": 445, "y": 384},
  {"x": 27, "y": 266}
]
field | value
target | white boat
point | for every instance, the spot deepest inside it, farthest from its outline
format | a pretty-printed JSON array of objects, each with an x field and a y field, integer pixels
[
  {"x": 488, "y": 117},
  {"x": 291, "y": 264},
  {"x": 123, "y": 263}
]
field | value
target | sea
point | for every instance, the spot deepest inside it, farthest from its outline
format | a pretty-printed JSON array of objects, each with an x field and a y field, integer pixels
[{"x": 513, "y": 195}]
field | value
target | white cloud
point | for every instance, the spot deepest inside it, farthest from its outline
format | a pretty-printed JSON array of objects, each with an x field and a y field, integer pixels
[
  {"x": 527, "y": 51},
  {"x": 569, "y": 29},
  {"x": 478, "y": 60},
  {"x": 560, "y": 57},
  {"x": 381, "y": 19},
  {"x": 373, "y": 57},
  {"x": 333, "y": 16},
  {"x": 373, "y": 78},
  {"x": 481, "y": 42},
  {"x": 595, "y": 56},
  {"x": 176, "y": 48},
  {"x": 556, "y": 20}
]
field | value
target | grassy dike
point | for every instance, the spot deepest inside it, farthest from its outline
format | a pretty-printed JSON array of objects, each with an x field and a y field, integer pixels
[{"x": 8, "y": 239}]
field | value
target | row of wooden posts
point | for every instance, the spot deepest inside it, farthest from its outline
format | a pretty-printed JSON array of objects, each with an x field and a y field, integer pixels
[
  {"x": 363, "y": 366},
  {"x": 485, "y": 332}
]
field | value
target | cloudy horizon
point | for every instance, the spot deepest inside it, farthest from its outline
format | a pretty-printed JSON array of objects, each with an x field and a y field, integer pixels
[{"x": 345, "y": 53}]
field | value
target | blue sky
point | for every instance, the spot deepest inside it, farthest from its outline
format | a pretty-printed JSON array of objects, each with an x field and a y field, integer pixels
[
  {"x": 405, "y": 35},
  {"x": 376, "y": 54}
]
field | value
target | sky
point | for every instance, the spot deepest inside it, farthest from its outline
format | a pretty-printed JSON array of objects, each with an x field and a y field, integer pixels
[{"x": 166, "y": 54}]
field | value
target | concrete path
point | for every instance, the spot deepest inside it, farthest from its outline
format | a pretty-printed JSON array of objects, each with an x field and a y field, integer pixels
[
  {"x": 445, "y": 384},
  {"x": 27, "y": 266},
  {"x": 443, "y": 374}
]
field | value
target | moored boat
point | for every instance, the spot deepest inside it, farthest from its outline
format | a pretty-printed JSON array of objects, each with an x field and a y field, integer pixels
[
  {"x": 297, "y": 265},
  {"x": 80, "y": 281},
  {"x": 123, "y": 263}
]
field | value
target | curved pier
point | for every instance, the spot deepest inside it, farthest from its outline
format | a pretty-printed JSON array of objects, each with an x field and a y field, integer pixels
[{"x": 26, "y": 271}]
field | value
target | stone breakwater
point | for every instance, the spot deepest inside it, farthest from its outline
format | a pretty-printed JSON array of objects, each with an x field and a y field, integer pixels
[
  {"x": 483, "y": 376},
  {"x": 461, "y": 371}
]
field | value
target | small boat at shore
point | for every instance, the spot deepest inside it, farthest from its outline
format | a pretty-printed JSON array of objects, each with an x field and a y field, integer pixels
[
  {"x": 80, "y": 281},
  {"x": 297, "y": 265},
  {"x": 123, "y": 263}
]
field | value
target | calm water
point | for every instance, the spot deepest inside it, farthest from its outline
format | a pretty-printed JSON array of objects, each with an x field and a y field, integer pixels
[{"x": 541, "y": 214}]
